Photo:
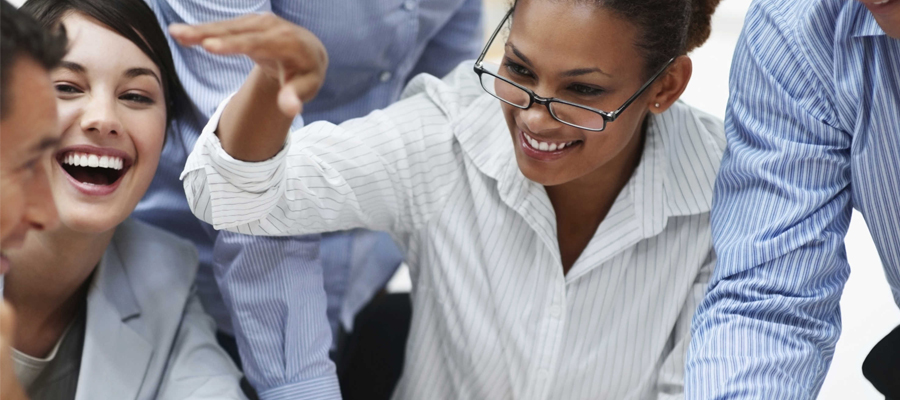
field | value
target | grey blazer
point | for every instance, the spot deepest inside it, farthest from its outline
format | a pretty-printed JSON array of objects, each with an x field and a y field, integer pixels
[{"x": 146, "y": 334}]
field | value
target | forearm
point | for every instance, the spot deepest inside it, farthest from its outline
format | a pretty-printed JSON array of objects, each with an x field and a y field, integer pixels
[
  {"x": 284, "y": 338},
  {"x": 252, "y": 128}
]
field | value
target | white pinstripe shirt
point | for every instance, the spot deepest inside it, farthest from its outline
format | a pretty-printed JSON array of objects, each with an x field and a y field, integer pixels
[{"x": 493, "y": 315}]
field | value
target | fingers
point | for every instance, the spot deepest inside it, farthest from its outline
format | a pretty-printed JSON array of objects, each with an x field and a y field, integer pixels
[
  {"x": 192, "y": 35},
  {"x": 289, "y": 102}
]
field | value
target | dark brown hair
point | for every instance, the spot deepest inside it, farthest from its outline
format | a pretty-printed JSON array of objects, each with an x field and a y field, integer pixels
[
  {"x": 132, "y": 19},
  {"x": 21, "y": 35},
  {"x": 668, "y": 28}
]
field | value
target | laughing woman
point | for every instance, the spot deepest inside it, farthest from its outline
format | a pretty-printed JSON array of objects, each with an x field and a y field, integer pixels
[
  {"x": 554, "y": 209},
  {"x": 105, "y": 303}
]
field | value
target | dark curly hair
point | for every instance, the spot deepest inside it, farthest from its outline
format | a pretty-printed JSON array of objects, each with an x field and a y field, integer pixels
[
  {"x": 21, "y": 35},
  {"x": 669, "y": 28}
]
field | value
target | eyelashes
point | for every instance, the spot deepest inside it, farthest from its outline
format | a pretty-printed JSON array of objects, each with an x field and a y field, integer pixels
[
  {"x": 69, "y": 91},
  {"x": 520, "y": 72}
]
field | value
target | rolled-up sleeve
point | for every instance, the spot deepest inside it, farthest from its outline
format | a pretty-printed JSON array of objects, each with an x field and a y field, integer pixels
[
  {"x": 770, "y": 320},
  {"x": 387, "y": 171}
]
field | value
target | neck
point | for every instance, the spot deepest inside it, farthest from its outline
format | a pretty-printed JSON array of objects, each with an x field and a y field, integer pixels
[
  {"x": 47, "y": 284},
  {"x": 582, "y": 204},
  {"x": 589, "y": 198}
]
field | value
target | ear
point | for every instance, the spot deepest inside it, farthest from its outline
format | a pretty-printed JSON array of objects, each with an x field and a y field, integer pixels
[{"x": 669, "y": 87}]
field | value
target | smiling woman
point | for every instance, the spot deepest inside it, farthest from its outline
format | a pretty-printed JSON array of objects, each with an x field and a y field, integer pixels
[
  {"x": 554, "y": 207},
  {"x": 101, "y": 278}
]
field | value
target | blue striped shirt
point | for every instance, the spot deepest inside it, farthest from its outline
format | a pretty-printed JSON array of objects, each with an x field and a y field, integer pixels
[
  {"x": 813, "y": 129},
  {"x": 274, "y": 287}
]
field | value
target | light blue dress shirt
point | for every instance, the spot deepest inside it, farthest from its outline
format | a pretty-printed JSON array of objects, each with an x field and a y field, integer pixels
[
  {"x": 813, "y": 129},
  {"x": 274, "y": 301}
]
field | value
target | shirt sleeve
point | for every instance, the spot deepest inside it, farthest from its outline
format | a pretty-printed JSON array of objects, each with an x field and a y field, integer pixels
[
  {"x": 670, "y": 384},
  {"x": 273, "y": 288},
  {"x": 389, "y": 171},
  {"x": 770, "y": 320},
  {"x": 197, "y": 367}
]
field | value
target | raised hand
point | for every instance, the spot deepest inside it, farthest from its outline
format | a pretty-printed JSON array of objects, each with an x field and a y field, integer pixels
[{"x": 284, "y": 52}]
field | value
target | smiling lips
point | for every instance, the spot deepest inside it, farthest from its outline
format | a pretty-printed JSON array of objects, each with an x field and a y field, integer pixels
[
  {"x": 93, "y": 172},
  {"x": 547, "y": 146}
]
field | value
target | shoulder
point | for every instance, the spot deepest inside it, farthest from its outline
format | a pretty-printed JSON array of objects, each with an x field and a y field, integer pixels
[
  {"x": 154, "y": 258},
  {"x": 801, "y": 31},
  {"x": 687, "y": 132},
  {"x": 453, "y": 93},
  {"x": 692, "y": 143}
]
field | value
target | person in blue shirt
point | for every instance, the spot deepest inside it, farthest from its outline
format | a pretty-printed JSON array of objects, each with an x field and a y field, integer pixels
[
  {"x": 268, "y": 292},
  {"x": 813, "y": 128}
]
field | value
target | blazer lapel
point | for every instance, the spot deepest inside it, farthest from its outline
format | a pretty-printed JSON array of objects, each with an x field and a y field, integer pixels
[{"x": 115, "y": 356}]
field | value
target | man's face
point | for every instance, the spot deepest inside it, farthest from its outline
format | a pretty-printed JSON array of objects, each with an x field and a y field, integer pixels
[
  {"x": 887, "y": 13},
  {"x": 28, "y": 132}
]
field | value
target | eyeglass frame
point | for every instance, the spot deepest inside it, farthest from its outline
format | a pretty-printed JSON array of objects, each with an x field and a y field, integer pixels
[{"x": 608, "y": 116}]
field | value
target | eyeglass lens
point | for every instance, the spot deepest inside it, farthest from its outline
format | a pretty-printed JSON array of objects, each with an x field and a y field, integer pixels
[{"x": 517, "y": 97}]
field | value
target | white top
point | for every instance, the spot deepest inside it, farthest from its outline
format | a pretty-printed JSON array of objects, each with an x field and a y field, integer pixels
[
  {"x": 28, "y": 368},
  {"x": 493, "y": 315}
]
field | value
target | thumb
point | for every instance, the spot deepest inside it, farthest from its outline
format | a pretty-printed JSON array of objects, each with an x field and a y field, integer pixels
[{"x": 289, "y": 102}]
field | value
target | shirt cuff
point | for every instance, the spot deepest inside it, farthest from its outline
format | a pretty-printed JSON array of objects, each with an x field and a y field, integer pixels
[
  {"x": 322, "y": 388},
  {"x": 230, "y": 181}
]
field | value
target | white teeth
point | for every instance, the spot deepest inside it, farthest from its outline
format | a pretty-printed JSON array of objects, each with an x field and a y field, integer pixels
[
  {"x": 93, "y": 161},
  {"x": 545, "y": 146}
]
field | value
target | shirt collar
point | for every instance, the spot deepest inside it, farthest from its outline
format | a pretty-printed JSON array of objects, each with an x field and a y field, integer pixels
[
  {"x": 681, "y": 157},
  {"x": 864, "y": 23}
]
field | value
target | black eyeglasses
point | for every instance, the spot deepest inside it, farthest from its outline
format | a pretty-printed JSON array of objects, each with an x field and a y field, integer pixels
[{"x": 572, "y": 114}]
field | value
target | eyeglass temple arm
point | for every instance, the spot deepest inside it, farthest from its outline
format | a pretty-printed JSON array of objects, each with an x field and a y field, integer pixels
[
  {"x": 615, "y": 114},
  {"x": 493, "y": 35}
]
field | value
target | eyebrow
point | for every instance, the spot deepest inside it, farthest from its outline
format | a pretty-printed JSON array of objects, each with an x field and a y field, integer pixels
[
  {"x": 130, "y": 73},
  {"x": 569, "y": 73},
  {"x": 74, "y": 67},
  {"x": 136, "y": 72}
]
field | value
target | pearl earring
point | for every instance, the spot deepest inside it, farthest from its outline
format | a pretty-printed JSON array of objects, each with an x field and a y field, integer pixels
[{"x": 657, "y": 105}]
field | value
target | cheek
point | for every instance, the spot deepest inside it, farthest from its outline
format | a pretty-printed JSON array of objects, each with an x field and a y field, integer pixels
[
  {"x": 12, "y": 199},
  {"x": 68, "y": 111},
  {"x": 148, "y": 135}
]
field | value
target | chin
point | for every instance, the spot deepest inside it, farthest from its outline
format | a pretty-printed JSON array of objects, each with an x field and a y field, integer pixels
[
  {"x": 90, "y": 219},
  {"x": 541, "y": 176}
]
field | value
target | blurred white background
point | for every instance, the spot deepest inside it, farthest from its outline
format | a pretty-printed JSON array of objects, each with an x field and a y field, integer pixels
[{"x": 868, "y": 311}]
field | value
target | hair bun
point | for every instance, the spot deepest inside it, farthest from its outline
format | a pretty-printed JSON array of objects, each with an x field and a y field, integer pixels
[{"x": 701, "y": 22}]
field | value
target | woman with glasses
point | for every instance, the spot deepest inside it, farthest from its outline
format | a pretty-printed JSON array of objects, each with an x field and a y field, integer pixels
[{"x": 554, "y": 208}]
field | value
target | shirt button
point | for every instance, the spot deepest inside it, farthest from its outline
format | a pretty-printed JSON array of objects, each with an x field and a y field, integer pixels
[
  {"x": 409, "y": 5},
  {"x": 555, "y": 311},
  {"x": 385, "y": 76}
]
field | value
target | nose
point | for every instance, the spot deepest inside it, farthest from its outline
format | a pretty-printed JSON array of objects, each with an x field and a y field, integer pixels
[
  {"x": 40, "y": 210},
  {"x": 537, "y": 118},
  {"x": 100, "y": 116}
]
